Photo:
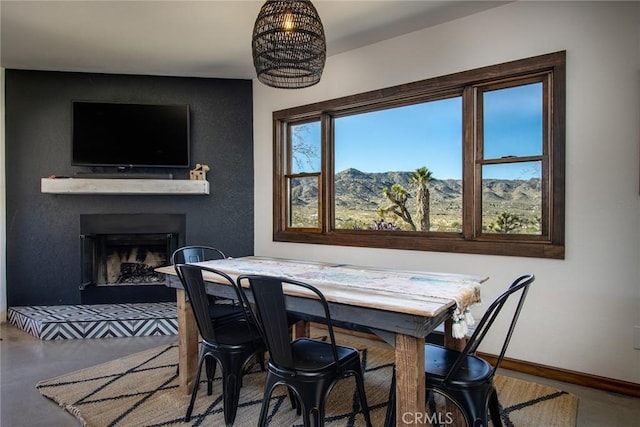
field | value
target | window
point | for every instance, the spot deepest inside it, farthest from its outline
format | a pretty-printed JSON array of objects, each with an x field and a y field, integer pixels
[{"x": 471, "y": 162}]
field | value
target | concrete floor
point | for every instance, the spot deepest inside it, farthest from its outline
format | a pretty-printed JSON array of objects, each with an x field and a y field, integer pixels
[{"x": 26, "y": 360}]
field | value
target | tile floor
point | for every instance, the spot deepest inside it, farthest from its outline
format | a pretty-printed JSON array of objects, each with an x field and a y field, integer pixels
[{"x": 25, "y": 360}]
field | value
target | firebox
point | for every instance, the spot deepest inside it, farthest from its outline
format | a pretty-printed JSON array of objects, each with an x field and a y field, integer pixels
[
  {"x": 125, "y": 259},
  {"x": 125, "y": 249}
]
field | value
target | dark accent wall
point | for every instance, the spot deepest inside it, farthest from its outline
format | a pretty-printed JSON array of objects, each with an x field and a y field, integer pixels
[{"x": 43, "y": 244}]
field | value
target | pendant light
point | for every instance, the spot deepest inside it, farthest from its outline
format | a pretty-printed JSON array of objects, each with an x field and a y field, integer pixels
[{"x": 288, "y": 44}]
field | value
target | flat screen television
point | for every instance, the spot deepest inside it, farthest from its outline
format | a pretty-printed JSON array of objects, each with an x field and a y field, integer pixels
[{"x": 130, "y": 135}]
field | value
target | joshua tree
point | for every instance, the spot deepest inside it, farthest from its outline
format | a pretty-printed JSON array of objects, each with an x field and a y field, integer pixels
[
  {"x": 420, "y": 178},
  {"x": 398, "y": 196},
  {"x": 506, "y": 222}
]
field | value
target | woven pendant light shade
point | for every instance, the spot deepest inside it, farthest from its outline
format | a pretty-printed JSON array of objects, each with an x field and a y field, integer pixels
[{"x": 288, "y": 43}]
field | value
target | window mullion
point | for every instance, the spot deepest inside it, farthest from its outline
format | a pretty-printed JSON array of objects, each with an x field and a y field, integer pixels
[
  {"x": 327, "y": 208},
  {"x": 547, "y": 202},
  {"x": 472, "y": 148},
  {"x": 280, "y": 150}
]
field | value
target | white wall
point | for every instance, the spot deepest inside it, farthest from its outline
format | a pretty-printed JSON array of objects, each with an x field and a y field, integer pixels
[{"x": 581, "y": 311}]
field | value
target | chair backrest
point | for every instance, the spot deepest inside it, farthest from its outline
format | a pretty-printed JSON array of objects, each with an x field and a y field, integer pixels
[
  {"x": 519, "y": 285},
  {"x": 194, "y": 253},
  {"x": 271, "y": 313},
  {"x": 194, "y": 285}
]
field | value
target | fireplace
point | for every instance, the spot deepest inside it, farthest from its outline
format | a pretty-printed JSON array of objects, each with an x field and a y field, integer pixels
[
  {"x": 119, "y": 254},
  {"x": 125, "y": 259}
]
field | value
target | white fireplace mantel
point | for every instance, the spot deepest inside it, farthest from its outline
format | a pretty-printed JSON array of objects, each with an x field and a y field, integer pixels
[{"x": 124, "y": 186}]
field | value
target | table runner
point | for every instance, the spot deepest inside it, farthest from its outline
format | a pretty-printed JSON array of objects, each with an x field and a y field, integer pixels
[{"x": 463, "y": 289}]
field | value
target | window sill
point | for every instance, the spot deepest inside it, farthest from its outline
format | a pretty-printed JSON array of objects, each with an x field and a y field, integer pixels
[{"x": 504, "y": 248}]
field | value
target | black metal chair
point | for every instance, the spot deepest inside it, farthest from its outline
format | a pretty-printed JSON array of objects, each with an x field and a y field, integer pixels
[
  {"x": 309, "y": 368},
  {"x": 226, "y": 309},
  {"x": 232, "y": 343},
  {"x": 463, "y": 377},
  {"x": 195, "y": 253}
]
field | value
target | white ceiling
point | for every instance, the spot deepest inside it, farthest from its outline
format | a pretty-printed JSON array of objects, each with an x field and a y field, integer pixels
[{"x": 189, "y": 38}]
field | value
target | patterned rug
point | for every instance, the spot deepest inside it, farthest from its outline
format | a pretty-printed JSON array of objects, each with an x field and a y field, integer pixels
[{"x": 142, "y": 390}]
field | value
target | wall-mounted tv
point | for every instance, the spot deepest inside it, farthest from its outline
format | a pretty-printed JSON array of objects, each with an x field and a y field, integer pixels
[{"x": 130, "y": 135}]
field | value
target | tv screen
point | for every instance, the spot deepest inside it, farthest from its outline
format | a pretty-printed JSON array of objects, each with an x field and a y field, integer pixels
[{"x": 130, "y": 135}]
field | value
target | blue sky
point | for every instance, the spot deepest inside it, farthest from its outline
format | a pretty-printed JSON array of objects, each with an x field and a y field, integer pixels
[
  {"x": 403, "y": 139},
  {"x": 430, "y": 134}
]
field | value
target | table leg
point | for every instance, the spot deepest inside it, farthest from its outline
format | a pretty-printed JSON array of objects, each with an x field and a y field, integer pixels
[
  {"x": 410, "y": 386},
  {"x": 449, "y": 340},
  {"x": 301, "y": 329},
  {"x": 457, "y": 344},
  {"x": 187, "y": 343}
]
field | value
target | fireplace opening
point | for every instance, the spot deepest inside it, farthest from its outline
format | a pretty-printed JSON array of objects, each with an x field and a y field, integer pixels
[
  {"x": 130, "y": 258},
  {"x": 125, "y": 250}
]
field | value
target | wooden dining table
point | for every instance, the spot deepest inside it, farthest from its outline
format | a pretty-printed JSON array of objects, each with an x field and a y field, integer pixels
[{"x": 401, "y": 307}]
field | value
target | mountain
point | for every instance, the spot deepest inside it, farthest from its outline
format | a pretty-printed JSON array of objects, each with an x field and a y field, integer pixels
[
  {"x": 352, "y": 185},
  {"x": 359, "y": 194}
]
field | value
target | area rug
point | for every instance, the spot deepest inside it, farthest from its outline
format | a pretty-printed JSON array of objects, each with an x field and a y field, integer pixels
[{"x": 141, "y": 390}]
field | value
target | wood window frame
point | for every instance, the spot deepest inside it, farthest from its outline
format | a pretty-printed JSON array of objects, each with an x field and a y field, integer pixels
[{"x": 549, "y": 245}]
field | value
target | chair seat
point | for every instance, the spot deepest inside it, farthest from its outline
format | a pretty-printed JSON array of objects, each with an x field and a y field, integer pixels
[
  {"x": 235, "y": 333},
  {"x": 221, "y": 313},
  {"x": 438, "y": 361},
  {"x": 312, "y": 355}
]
